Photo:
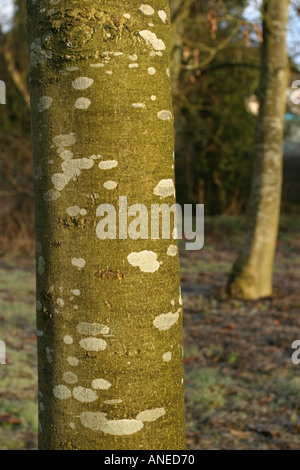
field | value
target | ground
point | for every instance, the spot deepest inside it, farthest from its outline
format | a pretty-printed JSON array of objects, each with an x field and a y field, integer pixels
[{"x": 242, "y": 389}]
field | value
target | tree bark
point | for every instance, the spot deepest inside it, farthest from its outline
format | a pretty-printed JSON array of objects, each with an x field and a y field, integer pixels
[
  {"x": 251, "y": 276},
  {"x": 109, "y": 311}
]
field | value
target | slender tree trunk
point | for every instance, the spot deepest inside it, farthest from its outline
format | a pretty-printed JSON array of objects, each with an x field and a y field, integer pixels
[
  {"x": 251, "y": 276},
  {"x": 109, "y": 311}
]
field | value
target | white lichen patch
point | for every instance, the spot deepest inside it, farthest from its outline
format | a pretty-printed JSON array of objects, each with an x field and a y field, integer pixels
[
  {"x": 82, "y": 103},
  {"x": 127, "y": 16},
  {"x": 73, "y": 361},
  {"x": 165, "y": 115},
  {"x": 97, "y": 66},
  {"x": 138, "y": 105},
  {"x": 51, "y": 195},
  {"x": 110, "y": 185},
  {"x": 114, "y": 401},
  {"x": 62, "y": 392},
  {"x": 165, "y": 188},
  {"x": 168, "y": 72},
  {"x": 64, "y": 140},
  {"x": 167, "y": 356},
  {"x": 78, "y": 262},
  {"x": 133, "y": 57},
  {"x": 40, "y": 333},
  {"x": 163, "y": 15},
  {"x": 93, "y": 344},
  {"x": 60, "y": 302},
  {"x": 147, "y": 10},
  {"x": 151, "y": 70},
  {"x": 166, "y": 320},
  {"x": 152, "y": 40},
  {"x": 108, "y": 164},
  {"x": 67, "y": 339},
  {"x": 75, "y": 291},
  {"x": 101, "y": 384},
  {"x": 82, "y": 83},
  {"x": 97, "y": 421},
  {"x": 44, "y": 103},
  {"x": 70, "y": 377},
  {"x": 151, "y": 415},
  {"x": 145, "y": 260},
  {"x": 153, "y": 97},
  {"x": 133, "y": 66},
  {"x": 74, "y": 211},
  {"x": 85, "y": 395},
  {"x": 172, "y": 250},
  {"x": 71, "y": 169},
  {"x": 92, "y": 329}
]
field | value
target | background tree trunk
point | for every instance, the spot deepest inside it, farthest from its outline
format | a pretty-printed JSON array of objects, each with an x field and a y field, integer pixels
[
  {"x": 109, "y": 312},
  {"x": 251, "y": 276}
]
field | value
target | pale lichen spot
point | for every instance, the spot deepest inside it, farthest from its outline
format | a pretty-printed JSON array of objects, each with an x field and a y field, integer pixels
[
  {"x": 163, "y": 15},
  {"x": 41, "y": 265},
  {"x": 85, "y": 395},
  {"x": 151, "y": 70},
  {"x": 93, "y": 344},
  {"x": 165, "y": 115},
  {"x": 168, "y": 71},
  {"x": 166, "y": 320},
  {"x": 151, "y": 415},
  {"x": 70, "y": 377},
  {"x": 152, "y": 40},
  {"x": 44, "y": 103},
  {"x": 41, "y": 406},
  {"x": 75, "y": 291},
  {"x": 133, "y": 66},
  {"x": 108, "y": 72},
  {"x": 73, "y": 361},
  {"x": 101, "y": 384},
  {"x": 82, "y": 103},
  {"x": 62, "y": 392},
  {"x": 82, "y": 83},
  {"x": 133, "y": 57},
  {"x": 172, "y": 250},
  {"x": 127, "y": 16},
  {"x": 167, "y": 356},
  {"x": 145, "y": 260},
  {"x": 64, "y": 140},
  {"x": 40, "y": 333},
  {"x": 72, "y": 425},
  {"x": 74, "y": 211},
  {"x": 153, "y": 97},
  {"x": 114, "y": 401},
  {"x": 138, "y": 105},
  {"x": 147, "y": 10},
  {"x": 78, "y": 262},
  {"x": 96, "y": 66},
  {"x": 164, "y": 188},
  {"x": 67, "y": 339},
  {"x": 60, "y": 302},
  {"x": 97, "y": 421},
  {"x": 108, "y": 164},
  {"x": 92, "y": 329},
  {"x": 110, "y": 185}
]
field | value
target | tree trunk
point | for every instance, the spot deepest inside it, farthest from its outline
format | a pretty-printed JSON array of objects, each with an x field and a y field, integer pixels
[
  {"x": 109, "y": 311},
  {"x": 251, "y": 276}
]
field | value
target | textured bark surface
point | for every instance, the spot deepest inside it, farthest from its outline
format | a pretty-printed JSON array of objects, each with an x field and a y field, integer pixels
[
  {"x": 109, "y": 312},
  {"x": 251, "y": 277}
]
